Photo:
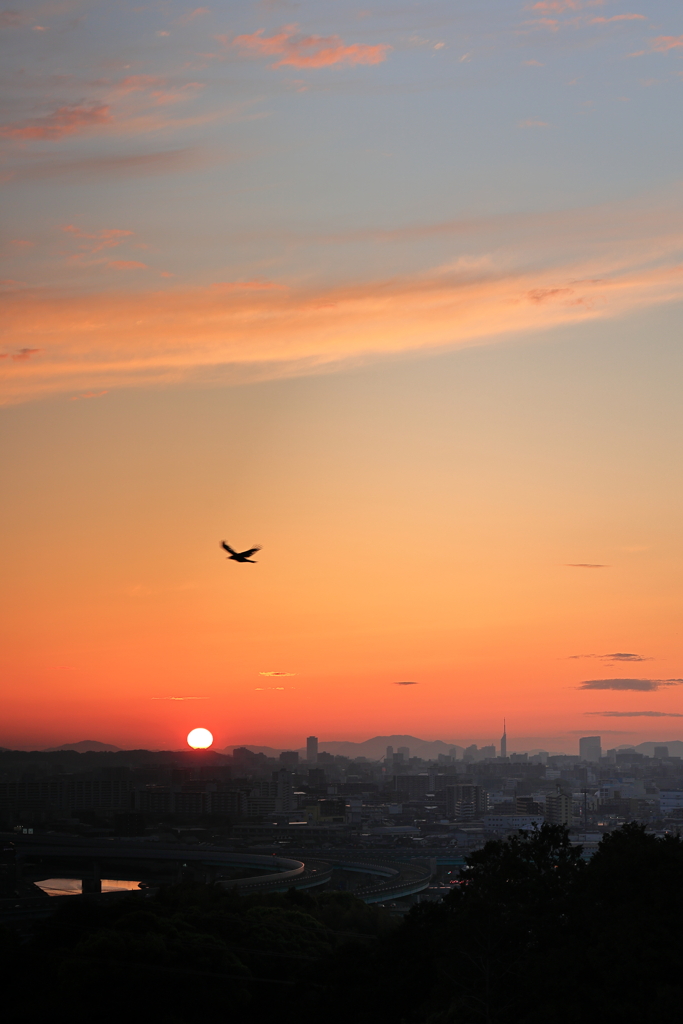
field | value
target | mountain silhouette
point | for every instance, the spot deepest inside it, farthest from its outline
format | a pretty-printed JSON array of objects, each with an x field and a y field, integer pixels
[{"x": 83, "y": 747}]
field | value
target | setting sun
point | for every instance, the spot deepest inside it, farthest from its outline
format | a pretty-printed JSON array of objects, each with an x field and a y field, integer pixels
[{"x": 199, "y": 739}]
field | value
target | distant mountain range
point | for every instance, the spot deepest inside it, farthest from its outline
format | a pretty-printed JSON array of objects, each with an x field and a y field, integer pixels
[
  {"x": 675, "y": 747},
  {"x": 83, "y": 747},
  {"x": 374, "y": 749}
]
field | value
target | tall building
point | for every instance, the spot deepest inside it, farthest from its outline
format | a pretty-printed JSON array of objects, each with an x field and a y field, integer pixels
[
  {"x": 405, "y": 751},
  {"x": 558, "y": 808},
  {"x": 504, "y": 742},
  {"x": 317, "y": 778},
  {"x": 289, "y": 758},
  {"x": 465, "y": 801},
  {"x": 390, "y": 754},
  {"x": 284, "y": 799},
  {"x": 413, "y": 787},
  {"x": 590, "y": 748},
  {"x": 312, "y": 749},
  {"x": 661, "y": 752}
]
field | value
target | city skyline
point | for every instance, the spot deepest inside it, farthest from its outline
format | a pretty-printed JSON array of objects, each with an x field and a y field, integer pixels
[{"x": 373, "y": 749}]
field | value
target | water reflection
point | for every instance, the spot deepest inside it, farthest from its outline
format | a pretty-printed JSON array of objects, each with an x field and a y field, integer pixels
[{"x": 74, "y": 886}]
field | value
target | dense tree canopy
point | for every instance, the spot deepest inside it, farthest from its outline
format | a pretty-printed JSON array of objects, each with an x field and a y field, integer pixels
[{"x": 531, "y": 933}]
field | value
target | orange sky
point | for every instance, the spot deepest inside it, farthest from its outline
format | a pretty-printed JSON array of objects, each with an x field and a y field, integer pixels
[{"x": 396, "y": 296}]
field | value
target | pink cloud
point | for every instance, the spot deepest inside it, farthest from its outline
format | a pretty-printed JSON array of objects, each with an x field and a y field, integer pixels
[
  {"x": 127, "y": 265},
  {"x": 560, "y": 6},
  {"x": 12, "y": 19},
  {"x": 256, "y": 285},
  {"x": 555, "y": 6},
  {"x": 139, "y": 83},
  {"x": 63, "y": 121},
  {"x": 24, "y": 353},
  {"x": 88, "y": 394},
  {"x": 157, "y": 88},
  {"x": 125, "y": 337},
  {"x": 307, "y": 51},
  {"x": 617, "y": 17},
  {"x": 185, "y": 19},
  {"x": 108, "y": 238},
  {"x": 162, "y": 162},
  {"x": 663, "y": 43}
]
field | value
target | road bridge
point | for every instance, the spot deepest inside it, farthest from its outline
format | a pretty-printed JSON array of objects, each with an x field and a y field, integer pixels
[{"x": 98, "y": 858}]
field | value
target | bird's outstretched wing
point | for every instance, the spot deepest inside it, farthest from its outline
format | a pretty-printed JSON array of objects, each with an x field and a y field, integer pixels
[
  {"x": 250, "y": 552},
  {"x": 227, "y": 547}
]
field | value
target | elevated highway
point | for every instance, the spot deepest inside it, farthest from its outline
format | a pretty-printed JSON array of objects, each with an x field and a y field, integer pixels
[{"x": 93, "y": 859}]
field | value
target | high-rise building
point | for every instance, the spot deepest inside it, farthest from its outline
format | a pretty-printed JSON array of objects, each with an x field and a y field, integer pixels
[
  {"x": 317, "y": 778},
  {"x": 284, "y": 799},
  {"x": 465, "y": 801},
  {"x": 405, "y": 751},
  {"x": 390, "y": 754},
  {"x": 414, "y": 787},
  {"x": 661, "y": 753},
  {"x": 312, "y": 749},
  {"x": 504, "y": 742},
  {"x": 590, "y": 748},
  {"x": 289, "y": 758},
  {"x": 558, "y": 808}
]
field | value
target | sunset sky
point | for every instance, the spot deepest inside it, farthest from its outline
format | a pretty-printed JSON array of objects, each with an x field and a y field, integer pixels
[{"x": 392, "y": 290}]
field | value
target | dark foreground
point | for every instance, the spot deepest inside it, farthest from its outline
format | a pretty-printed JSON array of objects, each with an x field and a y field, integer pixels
[{"x": 532, "y": 934}]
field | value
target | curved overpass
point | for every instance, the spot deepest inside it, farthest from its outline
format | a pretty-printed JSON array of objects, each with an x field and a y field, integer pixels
[
  {"x": 270, "y": 871},
  {"x": 390, "y": 879}
]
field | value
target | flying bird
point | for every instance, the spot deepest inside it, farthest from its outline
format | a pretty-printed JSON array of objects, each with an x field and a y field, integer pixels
[{"x": 240, "y": 556}]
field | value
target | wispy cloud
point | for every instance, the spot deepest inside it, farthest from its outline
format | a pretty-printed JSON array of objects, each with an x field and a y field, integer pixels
[
  {"x": 130, "y": 106},
  {"x": 627, "y": 684},
  {"x": 406, "y": 682},
  {"x": 617, "y": 17},
  {"x": 98, "y": 340},
  {"x": 92, "y": 242},
  {"x": 277, "y": 673},
  {"x": 635, "y": 714},
  {"x": 117, "y": 166},
  {"x": 562, "y": 6},
  {"x": 95, "y": 394},
  {"x": 179, "y": 698},
  {"x": 662, "y": 44},
  {"x": 186, "y": 19},
  {"x": 301, "y": 51},
  {"x": 255, "y": 285},
  {"x": 620, "y": 656},
  {"x": 13, "y": 19},
  {"x": 23, "y": 354},
  {"x": 586, "y": 565},
  {"x": 67, "y": 120}
]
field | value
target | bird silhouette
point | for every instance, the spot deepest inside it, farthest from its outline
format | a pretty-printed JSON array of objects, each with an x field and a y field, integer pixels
[{"x": 240, "y": 556}]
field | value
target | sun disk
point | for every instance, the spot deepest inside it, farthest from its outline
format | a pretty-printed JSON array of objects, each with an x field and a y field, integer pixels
[{"x": 199, "y": 739}]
